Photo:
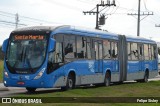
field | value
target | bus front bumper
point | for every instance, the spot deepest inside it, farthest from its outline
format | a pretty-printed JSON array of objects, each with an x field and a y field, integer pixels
[
  {"x": 36, "y": 83},
  {"x": 27, "y": 83}
]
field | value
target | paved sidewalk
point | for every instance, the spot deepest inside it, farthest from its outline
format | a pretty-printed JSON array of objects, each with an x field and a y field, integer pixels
[
  {"x": 157, "y": 78},
  {"x": 3, "y": 88}
]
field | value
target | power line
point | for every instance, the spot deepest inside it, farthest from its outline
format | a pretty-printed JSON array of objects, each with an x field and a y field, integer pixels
[
  {"x": 64, "y": 5},
  {"x": 9, "y": 16},
  {"x": 6, "y": 13},
  {"x": 8, "y": 22},
  {"x": 87, "y": 2},
  {"x": 19, "y": 17},
  {"x": 139, "y": 15},
  {"x": 145, "y": 4}
]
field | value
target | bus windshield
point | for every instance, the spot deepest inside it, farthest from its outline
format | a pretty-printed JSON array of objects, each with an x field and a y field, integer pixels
[{"x": 26, "y": 52}]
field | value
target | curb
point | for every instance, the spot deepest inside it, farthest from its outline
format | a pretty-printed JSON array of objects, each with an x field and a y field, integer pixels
[{"x": 4, "y": 89}]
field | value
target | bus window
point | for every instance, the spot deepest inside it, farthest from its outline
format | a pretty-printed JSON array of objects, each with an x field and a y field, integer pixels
[
  {"x": 140, "y": 51},
  {"x": 146, "y": 54},
  {"x": 129, "y": 50},
  {"x": 100, "y": 51},
  {"x": 114, "y": 50},
  {"x": 106, "y": 47},
  {"x": 154, "y": 52},
  {"x": 58, "y": 52},
  {"x": 134, "y": 51},
  {"x": 150, "y": 52},
  {"x": 69, "y": 48},
  {"x": 96, "y": 49},
  {"x": 88, "y": 48},
  {"x": 56, "y": 57},
  {"x": 81, "y": 45}
]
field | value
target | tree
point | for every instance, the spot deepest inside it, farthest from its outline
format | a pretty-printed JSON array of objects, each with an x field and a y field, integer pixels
[
  {"x": 159, "y": 51},
  {"x": 1, "y": 54}
]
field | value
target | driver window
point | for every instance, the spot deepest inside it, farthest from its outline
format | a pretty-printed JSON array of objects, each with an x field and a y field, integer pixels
[
  {"x": 57, "y": 55},
  {"x": 58, "y": 52}
]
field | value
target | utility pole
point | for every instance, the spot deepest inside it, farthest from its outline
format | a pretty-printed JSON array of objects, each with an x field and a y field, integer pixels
[
  {"x": 101, "y": 20},
  {"x": 16, "y": 20},
  {"x": 139, "y": 15},
  {"x": 138, "y": 21}
]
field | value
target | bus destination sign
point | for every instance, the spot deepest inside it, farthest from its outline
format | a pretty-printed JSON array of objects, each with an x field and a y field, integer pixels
[{"x": 28, "y": 37}]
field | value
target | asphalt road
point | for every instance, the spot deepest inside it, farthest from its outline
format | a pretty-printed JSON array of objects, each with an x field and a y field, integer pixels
[{"x": 10, "y": 91}]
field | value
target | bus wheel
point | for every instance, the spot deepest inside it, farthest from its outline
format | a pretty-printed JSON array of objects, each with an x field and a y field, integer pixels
[
  {"x": 146, "y": 76},
  {"x": 30, "y": 90},
  {"x": 107, "y": 79},
  {"x": 70, "y": 83}
]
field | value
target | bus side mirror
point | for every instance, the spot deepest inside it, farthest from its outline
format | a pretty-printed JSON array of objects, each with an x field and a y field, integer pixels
[
  {"x": 4, "y": 46},
  {"x": 52, "y": 43}
]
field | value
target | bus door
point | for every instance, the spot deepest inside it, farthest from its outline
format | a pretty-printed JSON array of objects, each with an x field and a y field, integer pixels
[
  {"x": 154, "y": 56},
  {"x": 98, "y": 56},
  {"x": 114, "y": 56},
  {"x": 141, "y": 58}
]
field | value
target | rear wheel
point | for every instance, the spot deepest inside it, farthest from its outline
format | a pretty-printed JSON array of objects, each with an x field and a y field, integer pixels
[
  {"x": 146, "y": 76},
  {"x": 30, "y": 90},
  {"x": 145, "y": 79},
  {"x": 107, "y": 79}
]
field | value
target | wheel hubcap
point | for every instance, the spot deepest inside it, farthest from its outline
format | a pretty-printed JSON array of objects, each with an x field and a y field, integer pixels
[
  {"x": 70, "y": 83},
  {"x": 107, "y": 81}
]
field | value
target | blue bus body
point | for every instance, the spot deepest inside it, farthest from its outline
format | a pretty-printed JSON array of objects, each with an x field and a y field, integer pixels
[{"x": 90, "y": 69}]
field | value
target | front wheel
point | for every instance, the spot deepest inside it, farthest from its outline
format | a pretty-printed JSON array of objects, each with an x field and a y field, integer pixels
[
  {"x": 30, "y": 90},
  {"x": 70, "y": 83},
  {"x": 107, "y": 79}
]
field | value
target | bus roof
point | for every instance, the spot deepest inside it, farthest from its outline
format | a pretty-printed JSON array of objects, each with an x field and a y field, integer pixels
[
  {"x": 80, "y": 30},
  {"x": 139, "y": 39}
]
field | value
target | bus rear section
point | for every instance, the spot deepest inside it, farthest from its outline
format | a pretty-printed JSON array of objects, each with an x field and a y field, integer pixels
[{"x": 142, "y": 59}]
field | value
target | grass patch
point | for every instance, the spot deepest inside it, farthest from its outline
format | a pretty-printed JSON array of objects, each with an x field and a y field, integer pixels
[
  {"x": 1, "y": 71},
  {"x": 150, "y": 89}
]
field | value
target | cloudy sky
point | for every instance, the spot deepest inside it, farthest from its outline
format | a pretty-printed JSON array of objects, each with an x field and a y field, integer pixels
[{"x": 70, "y": 12}]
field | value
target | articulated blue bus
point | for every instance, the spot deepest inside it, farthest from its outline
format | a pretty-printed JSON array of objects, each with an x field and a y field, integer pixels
[{"x": 67, "y": 56}]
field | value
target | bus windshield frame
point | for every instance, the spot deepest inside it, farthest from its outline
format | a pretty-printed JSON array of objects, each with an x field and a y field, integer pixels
[{"x": 26, "y": 53}]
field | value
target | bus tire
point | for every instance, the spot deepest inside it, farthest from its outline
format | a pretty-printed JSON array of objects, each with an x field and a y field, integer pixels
[
  {"x": 30, "y": 90},
  {"x": 70, "y": 83},
  {"x": 107, "y": 79},
  {"x": 146, "y": 76}
]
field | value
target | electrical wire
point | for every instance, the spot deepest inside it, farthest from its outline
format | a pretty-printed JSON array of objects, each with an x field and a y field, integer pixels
[
  {"x": 34, "y": 20},
  {"x": 144, "y": 1}
]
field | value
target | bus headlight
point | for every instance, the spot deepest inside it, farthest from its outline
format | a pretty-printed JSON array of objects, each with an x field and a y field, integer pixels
[
  {"x": 39, "y": 75},
  {"x": 6, "y": 74}
]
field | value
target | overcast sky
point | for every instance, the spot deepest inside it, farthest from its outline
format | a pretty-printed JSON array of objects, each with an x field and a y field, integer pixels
[{"x": 69, "y": 12}]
